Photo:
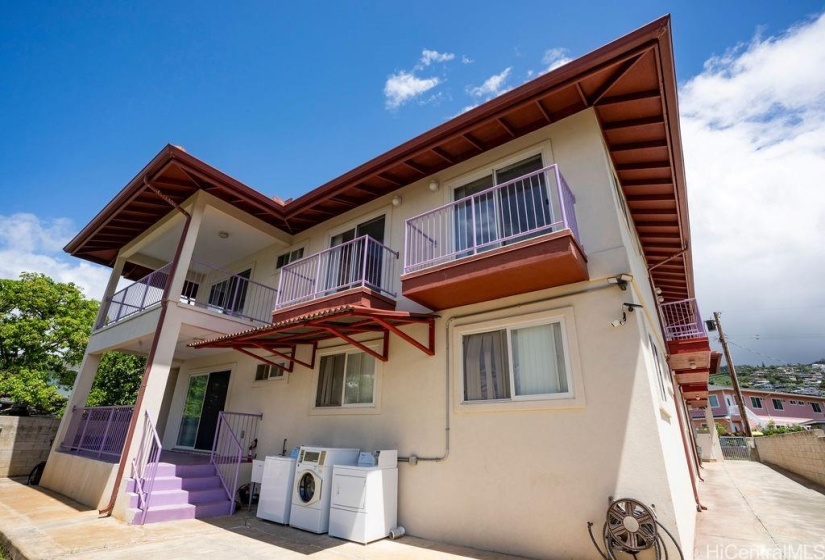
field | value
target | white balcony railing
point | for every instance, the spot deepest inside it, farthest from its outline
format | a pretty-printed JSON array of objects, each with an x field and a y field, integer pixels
[
  {"x": 362, "y": 262},
  {"x": 682, "y": 320},
  {"x": 206, "y": 286},
  {"x": 534, "y": 204}
]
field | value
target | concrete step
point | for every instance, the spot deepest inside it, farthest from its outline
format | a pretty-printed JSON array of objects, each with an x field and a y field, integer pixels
[{"x": 160, "y": 513}]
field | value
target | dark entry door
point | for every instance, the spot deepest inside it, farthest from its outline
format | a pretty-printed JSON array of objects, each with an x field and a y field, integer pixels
[{"x": 205, "y": 399}]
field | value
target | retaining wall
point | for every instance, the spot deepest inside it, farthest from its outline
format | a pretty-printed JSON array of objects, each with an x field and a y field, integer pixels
[
  {"x": 802, "y": 453},
  {"x": 24, "y": 442}
]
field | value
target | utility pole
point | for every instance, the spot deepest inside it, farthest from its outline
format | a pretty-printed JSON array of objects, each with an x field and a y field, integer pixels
[{"x": 737, "y": 392}]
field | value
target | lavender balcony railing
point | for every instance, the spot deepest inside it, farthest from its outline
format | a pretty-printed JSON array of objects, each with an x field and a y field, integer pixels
[
  {"x": 145, "y": 466},
  {"x": 360, "y": 262},
  {"x": 236, "y": 437},
  {"x": 682, "y": 320},
  {"x": 534, "y": 204},
  {"x": 97, "y": 431},
  {"x": 136, "y": 297},
  {"x": 206, "y": 286}
]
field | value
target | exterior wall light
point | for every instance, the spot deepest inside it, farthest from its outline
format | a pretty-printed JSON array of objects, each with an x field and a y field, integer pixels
[
  {"x": 621, "y": 280},
  {"x": 223, "y": 234},
  {"x": 397, "y": 200},
  {"x": 434, "y": 186}
]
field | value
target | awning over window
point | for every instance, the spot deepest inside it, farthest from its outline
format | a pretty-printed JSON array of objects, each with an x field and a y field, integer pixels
[{"x": 283, "y": 338}]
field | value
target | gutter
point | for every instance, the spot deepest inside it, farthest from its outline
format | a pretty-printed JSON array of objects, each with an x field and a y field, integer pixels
[{"x": 107, "y": 511}]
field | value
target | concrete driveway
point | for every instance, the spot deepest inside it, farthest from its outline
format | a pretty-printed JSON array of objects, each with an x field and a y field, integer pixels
[{"x": 758, "y": 513}]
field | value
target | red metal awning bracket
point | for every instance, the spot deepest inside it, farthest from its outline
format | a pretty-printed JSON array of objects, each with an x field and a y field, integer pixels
[
  {"x": 429, "y": 350},
  {"x": 288, "y": 368},
  {"x": 382, "y": 356},
  {"x": 291, "y": 356}
]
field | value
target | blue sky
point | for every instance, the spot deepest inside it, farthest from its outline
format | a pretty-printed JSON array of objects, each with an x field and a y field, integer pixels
[{"x": 286, "y": 97}]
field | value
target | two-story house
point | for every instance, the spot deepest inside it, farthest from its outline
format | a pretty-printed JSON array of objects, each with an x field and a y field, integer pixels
[
  {"x": 761, "y": 408},
  {"x": 506, "y": 299}
]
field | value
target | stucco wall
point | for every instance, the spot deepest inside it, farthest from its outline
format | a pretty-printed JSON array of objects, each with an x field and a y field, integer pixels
[
  {"x": 24, "y": 442},
  {"x": 802, "y": 453},
  {"x": 84, "y": 480}
]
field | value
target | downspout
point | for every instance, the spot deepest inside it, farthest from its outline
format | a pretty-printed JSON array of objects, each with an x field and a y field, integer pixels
[
  {"x": 679, "y": 411},
  {"x": 107, "y": 511}
]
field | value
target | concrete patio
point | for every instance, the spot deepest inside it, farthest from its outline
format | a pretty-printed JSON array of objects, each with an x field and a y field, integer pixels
[{"x": 754, "y": 512}]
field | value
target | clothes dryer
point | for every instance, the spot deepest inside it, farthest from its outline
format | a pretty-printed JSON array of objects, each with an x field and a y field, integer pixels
[{"x": 313, "y": 486}]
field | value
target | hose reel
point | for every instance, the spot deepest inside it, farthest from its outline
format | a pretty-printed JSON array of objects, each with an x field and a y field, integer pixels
[{"x": 631, "y": 527}]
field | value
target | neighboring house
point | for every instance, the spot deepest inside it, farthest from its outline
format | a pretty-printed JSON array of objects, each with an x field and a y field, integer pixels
[
  {"x": 761, "y": 407},
  {"x": 507, "y": 300}
]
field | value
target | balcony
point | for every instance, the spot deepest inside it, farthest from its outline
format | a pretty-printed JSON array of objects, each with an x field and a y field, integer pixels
[
  {"x": 206, "y": 286},
  {"x": 688, "y": 347},
  {"x": 516, "y": 237},
  {"x": 358, "y": 272}
]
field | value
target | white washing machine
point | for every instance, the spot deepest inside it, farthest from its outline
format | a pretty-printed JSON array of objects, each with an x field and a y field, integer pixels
[
  {"x": 275, "y": 499},
  {"x": 364, "y": 505},
  {"x": 313, "y": 485}
]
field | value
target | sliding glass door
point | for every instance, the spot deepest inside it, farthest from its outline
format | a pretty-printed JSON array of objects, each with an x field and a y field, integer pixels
[{"x": 205, "y": 399}]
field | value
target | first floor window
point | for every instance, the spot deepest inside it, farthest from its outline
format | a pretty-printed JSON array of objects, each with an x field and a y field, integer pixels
[
  {"x": 756, "y": 402},
  {"x": 816, "y": 406},
  {"x": 714, "y": 401},
  {"x": 346, "y": 379},
  {"x": 268, "y": 371},
  {"x": 777, "y": 404},
  {"x": 515, "y": 362}
]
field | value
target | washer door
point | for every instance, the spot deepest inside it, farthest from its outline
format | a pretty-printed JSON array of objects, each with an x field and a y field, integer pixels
[{"x": 307, "y": 488}]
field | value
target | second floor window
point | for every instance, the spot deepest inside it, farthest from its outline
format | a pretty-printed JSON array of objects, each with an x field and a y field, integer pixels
[
  {"x": 778, "y": 404},
  {"x": 756, "y": 402},
  {"x": 517, "y": 211},
  {"x": 816, "y": 407},
  {"x": 287, "y": 258},
  {"x": 714, "y": 401}
]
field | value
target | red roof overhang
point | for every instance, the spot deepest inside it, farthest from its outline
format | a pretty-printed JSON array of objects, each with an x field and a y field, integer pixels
[
  {"x": 347, "y": 322},
  {"x": 629, "y": 83}
]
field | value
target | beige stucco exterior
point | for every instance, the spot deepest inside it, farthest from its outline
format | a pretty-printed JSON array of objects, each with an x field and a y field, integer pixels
[{"x": 517, "y": 477}]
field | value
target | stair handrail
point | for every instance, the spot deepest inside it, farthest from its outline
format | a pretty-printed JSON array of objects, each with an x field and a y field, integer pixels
[
  {"x": 145, "y": 465},
  {"x": 226, "y": 453}
]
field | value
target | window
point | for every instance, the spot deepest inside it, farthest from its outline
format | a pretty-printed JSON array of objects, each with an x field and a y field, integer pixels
[
  {"x": 817, "y": 407},
  {"x": 289, "y": 257},
  {"x": 265, "y": 372},
  {"x": 778, "y": 404},
  {"x": 512, "y": 363},
  {"x": 515, "y": 212},
  {"x": 346, "y": 379},
  {"x": 756, "y": 402},
  {"x": 714, "y": 401},
  {"x": 729, "y": 400},
  {"x": 659, "y": 370}
]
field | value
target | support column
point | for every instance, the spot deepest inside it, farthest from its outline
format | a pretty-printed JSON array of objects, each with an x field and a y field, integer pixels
[
  {"x": 716, "y": 446},
  {"x": 82, "y": 387},
  {"x": 187, "y": 249},
  {"x": 114, "y": 278}
]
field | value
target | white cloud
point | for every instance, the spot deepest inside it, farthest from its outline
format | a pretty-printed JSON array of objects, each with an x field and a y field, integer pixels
[
  {"x": 428, "y": 57},
  {"x": 403, "y": 86},
  {"x": 553, "y": 58},
  {"x": 466, "y": 59},
  {"x": 492, "y": 86},
  {"x": 29, "y": 244},
  {"x": 753, "y": 127}
]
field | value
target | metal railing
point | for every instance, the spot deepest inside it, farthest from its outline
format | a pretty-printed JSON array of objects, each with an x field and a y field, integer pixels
[
  {"x": 145, "y": 465},
  {"x": 233, "y": 432},
  {"x": 534, "y": 204},
  {"x": 360, "y": 262},
  {"x": 682, "y": 320},
  {"x": 136, "y": 297},
  {"x": 225, "y": 292},
  {"x": 97, "y": 431},
  {"x": 206, "y": 285}
]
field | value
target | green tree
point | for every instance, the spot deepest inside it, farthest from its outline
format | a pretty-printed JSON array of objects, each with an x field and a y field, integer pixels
[
  {"x": 44, "y": 329},
  {"x": 118, "y": 380}
]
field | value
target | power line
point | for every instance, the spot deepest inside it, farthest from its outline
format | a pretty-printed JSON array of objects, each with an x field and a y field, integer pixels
[{"x": 775, "y": 359}]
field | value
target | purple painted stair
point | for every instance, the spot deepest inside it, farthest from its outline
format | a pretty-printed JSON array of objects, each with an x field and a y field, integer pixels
[{"x": 188, "y": 491}]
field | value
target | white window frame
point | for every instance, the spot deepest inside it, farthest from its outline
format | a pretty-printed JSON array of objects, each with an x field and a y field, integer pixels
[
  {"x": 713, "y": 401},
  {"x": 348, "y": 409},
  {"x": 301, "y": 247},
  {"x": 660, "y": 372},
  {"x": 573, "y": 398},
  {"x": 755, "y": 400},
  {"x": 271, "y": 379},
  {"x": 778, "y": 404}
]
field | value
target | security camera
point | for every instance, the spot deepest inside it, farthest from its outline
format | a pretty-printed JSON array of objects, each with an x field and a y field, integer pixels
[{"x": 617, "y": 323}]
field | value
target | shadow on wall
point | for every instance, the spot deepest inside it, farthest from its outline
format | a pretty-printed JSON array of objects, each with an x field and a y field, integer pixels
[{"x": 24, "y": 442}]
